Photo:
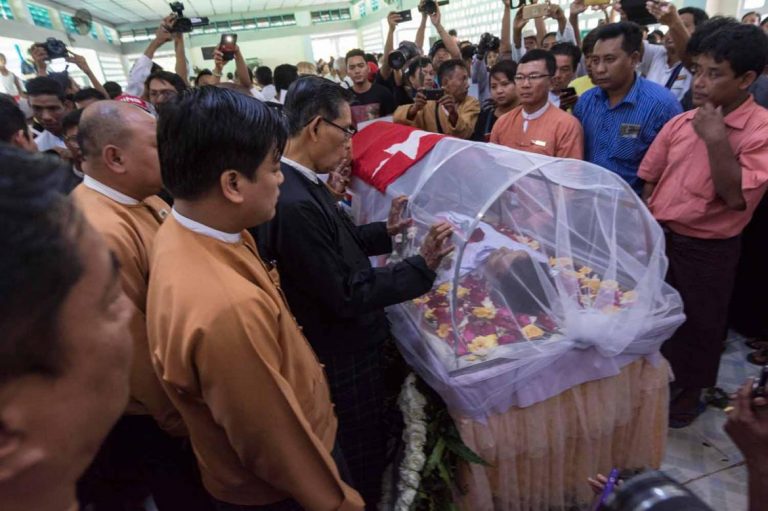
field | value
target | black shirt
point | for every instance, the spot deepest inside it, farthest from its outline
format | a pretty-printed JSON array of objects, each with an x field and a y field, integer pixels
[
  {"x": 485, "y": 123},
  {"x": 377, "y": 102},
  {"x": 401, "y": 95}
]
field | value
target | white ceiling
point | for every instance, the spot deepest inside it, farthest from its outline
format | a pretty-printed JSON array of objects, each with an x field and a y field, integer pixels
[{"x": 120, "y": 12}]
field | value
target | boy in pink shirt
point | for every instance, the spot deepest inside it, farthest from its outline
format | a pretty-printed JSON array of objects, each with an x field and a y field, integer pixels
[{"x": 705, "y": 174}]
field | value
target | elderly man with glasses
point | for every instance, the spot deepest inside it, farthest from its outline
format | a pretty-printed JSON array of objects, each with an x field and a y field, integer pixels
[{"x": 323, "y": 260}]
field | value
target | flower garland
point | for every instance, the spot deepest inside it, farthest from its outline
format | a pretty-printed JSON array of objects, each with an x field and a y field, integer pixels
[{"x": 412, "y": 404}]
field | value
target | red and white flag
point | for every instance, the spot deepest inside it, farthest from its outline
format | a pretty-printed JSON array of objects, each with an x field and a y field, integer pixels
[{"x": 383, "y": 151}]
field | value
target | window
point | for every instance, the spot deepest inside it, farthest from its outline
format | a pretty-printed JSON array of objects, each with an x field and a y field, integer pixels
[
  {"x": 5, "y": 10},
  {"x": 108, "y": 35},
  {"x": 332, "y": 15},
  {"x": 68, "y": 21},
  {"x": 374, "y": 5},
  {"x": 361, "y": 8},
  {"x": 40, "y": 16},
  {"x": 93, "y": 33}
]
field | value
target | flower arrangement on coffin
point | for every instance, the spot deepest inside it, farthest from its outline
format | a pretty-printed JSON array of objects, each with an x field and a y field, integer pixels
[{"x": 486, "y": 322}]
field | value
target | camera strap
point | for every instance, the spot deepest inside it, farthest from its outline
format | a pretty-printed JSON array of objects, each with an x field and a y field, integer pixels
[
  {"x": 437, "y": 119},
  {"x": 674, "y": 75}
]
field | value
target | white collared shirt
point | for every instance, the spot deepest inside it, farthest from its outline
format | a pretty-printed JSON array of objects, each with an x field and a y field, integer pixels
[
  {"x": 306, "y": 172},
  {"x": 47, "y": 140},
  {"x": 110, "y": 192},
  {"x": 655, "y": 68},
  {"x": 532, "y": 117},
  {"x": 197, "y": 227}
]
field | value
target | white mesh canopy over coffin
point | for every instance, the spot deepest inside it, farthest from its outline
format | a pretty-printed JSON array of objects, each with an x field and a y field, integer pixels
[{"x": 556, "y": 260}]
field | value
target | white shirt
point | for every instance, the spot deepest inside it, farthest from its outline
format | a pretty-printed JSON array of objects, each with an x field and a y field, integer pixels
[
  {"x": 9, "y": 84},
  {"x": 532, "y": 117},
  {"x": 306, "y": 172},
  {"x": 554, "y": 99},
  {"x": 47, "y": 140},
  {"x": 269, "y": 92},
  {"x": 654, "y": 67},
  {"x": 138, "y": 75},
  {"x": 256, "y": 93},
  {"x": 197, "y": 227},
  {"x": 98, "y": 186}
]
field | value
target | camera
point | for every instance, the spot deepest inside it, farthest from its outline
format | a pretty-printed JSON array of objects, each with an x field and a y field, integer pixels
[
  {"x": 184, "y": 25},
  {"x": 430, "y": 6},
  {"x": 653, "y": 491},
  {"x": 488, "y": 42},
  {"x": 55, "y": 48},
  {"x": 405, "y": 52}
]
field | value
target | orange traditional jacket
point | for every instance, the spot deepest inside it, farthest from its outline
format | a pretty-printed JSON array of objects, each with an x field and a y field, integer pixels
[
  {"x": 129, "y": 231},
  {"x": 238, "y": 368}
]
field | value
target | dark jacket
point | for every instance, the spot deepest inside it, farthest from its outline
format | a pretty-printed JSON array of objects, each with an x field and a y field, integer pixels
[{"x": 322, "y": 258}]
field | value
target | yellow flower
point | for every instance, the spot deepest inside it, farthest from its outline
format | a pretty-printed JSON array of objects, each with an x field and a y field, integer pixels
[
  {"x": 628, "y": 297},
  {"x": 532, "y": 332},
  {"x": 535, "y": 245},
  {"x": 610, "y": 285},
  {"x": 462, "y": 292},
  {"x": 444, "y": 288},
  {"x": 483, "y": 343},
  {"x": 561, "y": 262},
  {"x": 429, "y": 314},
  {"x": 610, "y": 309},
  {"x": 420, "y": 301},
  {"x": 593, "y": 284},
  {"x": 470, "y": 358},
  {"x": 585, "y": 270},
  {"x": 443, "y": 330},
  {"x": 484, "y": 312}
]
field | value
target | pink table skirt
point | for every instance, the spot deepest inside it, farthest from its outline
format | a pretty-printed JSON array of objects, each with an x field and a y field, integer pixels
[{"x": 543, "y": 454}]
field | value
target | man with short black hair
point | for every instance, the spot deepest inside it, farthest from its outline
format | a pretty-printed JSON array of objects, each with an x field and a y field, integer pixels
[
  {"x": 751, "y": 18},
  {"x": 66, "y": 348},
  {"x": 46, "y": 97},
  {"x": 13, "y": 125},
  {"x": 537, "y": 126},
  {"x": 113, "y": 89},
  {"x": 70, "y": 128},
  {"x": 455, "y": 113},
  {"x": 371, "y": 100},
  {"x": 504, "y": 96},
  {"x": 323, "y": 258},
  {"x": 87, "y": 96},
  {"x": 705, "y": 174},
  {"x": 163, "y": 86},
  {"x": 623, "y": 115},
  {"x": 567, "y": 58},
  {"x": 225, "y": 344}
]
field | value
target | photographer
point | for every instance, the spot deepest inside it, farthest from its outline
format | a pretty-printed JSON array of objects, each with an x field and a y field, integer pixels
[
  {"x": 40, "y": 55},
  {"x": 455, "y": 113},
  {"x": 446, "y": 47},
  {"x": 490, "y": 50},
  {"x": 143, "y": 67}
]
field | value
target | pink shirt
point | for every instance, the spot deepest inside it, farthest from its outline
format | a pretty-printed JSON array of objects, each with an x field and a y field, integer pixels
[{"x": 684, "y": 198}]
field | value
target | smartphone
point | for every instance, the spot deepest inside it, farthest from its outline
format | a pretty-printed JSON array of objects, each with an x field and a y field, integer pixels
[
  {"x": 227, "y": 45},
  {"x": 568, "y": 91},
  {"x": 433, "y": 94},
  {"x": 637, "y": 12},
  {"x": 758, "y": 388},
  {"x": 535, "y": 11},
  {"x": 405, "y": 16},
  {"x": 610, "y": 485},
  {"x": 597, "y": 2}
]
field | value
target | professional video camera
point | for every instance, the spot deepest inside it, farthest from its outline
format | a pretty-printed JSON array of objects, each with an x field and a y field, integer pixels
[
  {"x": 405, "y": 52},
  {"x": 430, "y": 6},
  {"x": 182, "y": 24},
  {"x": 488, "y": 42},
  {"x": 55, "y": 48},
  {"x": 653, "y": 491}
]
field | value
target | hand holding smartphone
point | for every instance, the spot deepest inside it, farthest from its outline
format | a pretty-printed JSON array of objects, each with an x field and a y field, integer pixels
[{"x": 228, "y": 46}]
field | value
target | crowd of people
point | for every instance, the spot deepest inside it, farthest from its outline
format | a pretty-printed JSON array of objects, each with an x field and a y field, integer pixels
[{"x": 188, "y": 315}]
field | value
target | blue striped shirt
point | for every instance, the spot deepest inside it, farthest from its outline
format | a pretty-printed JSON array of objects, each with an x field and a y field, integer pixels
[{"x": 617, "y": 137}]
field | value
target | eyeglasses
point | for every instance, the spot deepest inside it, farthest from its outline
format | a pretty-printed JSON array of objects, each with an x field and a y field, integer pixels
[
  {"x": 348, "y": 132},
  {"x": 165, "y": 94},
  {"x": 529, "y": 78}
]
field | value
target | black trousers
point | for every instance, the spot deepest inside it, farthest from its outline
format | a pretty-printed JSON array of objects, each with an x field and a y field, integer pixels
[
  {"x": 289, "y": 504},
  {"x": 703, "y": 272},
  {"x": 138, "y": 460}
]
